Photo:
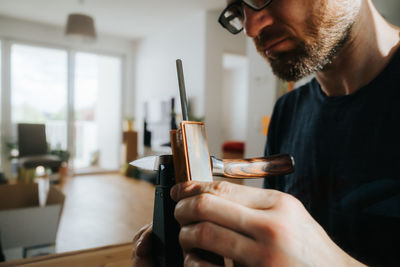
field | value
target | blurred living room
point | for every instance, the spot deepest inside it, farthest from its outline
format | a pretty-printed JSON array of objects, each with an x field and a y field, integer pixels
[{"x": 88, "y": 86}]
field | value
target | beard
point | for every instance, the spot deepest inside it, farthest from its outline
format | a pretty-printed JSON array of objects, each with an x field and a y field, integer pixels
[{"x": 323, "y": 39}]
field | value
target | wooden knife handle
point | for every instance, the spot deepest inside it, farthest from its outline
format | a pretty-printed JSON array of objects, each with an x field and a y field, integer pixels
[{"x": 257, "y": 167}]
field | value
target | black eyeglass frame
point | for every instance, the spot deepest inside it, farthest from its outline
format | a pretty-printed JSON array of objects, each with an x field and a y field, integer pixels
[{"x": 224, "y": 21}]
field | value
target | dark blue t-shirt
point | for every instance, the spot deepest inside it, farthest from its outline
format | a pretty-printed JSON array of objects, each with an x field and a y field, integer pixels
[{"x": 347, "y": 154}]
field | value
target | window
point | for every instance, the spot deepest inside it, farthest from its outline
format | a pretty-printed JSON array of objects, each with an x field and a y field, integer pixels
[
  {"x": 39, "y": 90},
  {"x": 97, "y": 111},
  {"x": 39, "y": 94}
]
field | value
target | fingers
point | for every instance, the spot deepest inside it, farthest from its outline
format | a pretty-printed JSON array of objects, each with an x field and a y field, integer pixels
[
  {"x": 143, "y": 241},
  {"x": 207, "y": 207},
  {"x": 142, "y": 247},
  {"x": 251, "y": 197},
  {"x": 218, "y": 240},
  {"x": 193, "y": 260},
  {"x": 142, "y": 262},
  {"x": 140, "y": 232}
]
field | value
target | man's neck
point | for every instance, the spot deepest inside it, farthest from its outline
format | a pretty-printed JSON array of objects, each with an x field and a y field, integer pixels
[{"x": 372, "y": 44}]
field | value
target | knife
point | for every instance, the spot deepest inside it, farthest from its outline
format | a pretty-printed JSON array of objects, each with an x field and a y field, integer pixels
[{"x": 233, "y": 168}]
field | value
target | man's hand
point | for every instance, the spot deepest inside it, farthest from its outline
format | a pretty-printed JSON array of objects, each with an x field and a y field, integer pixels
[
  {"x": 142, "y": 247},
  {"x": 252, "y": 226}
]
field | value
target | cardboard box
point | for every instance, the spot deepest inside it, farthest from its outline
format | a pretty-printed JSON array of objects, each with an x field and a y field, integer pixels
[{"x": 23, "y": 223}]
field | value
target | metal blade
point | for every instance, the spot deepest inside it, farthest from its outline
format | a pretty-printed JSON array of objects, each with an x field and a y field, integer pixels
[
  {"x": 149, "y": 163},
  {"x": 196, "y": 151},
  {"x": 217, "y": 166},
  {"x": 182, "y": 90}
]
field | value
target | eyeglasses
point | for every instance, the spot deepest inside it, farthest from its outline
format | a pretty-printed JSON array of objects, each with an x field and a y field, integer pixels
[{"x": 232, "y": 17}]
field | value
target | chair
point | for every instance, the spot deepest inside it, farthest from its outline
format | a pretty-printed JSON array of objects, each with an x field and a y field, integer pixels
[{"x": 33, "y": 150}]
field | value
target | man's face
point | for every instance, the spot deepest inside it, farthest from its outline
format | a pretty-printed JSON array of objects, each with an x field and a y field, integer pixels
[{"x": 300, "y": 37}]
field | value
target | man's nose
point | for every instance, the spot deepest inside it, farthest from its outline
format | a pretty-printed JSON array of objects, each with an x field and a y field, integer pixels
[{"x": 255, "y": 21}]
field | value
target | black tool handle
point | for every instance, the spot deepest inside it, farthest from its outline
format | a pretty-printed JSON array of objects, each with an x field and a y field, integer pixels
[{"x": 167, "y": 250}]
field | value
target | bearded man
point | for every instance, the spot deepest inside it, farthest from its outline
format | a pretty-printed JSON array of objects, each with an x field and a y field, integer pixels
[{"x": 341, "y": 206}]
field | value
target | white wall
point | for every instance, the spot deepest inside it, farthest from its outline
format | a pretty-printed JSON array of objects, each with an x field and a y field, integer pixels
[
  {"x": 106, "y": 116},
  {"x": 390, "y": 9},
  {"x": 156, "y": 67},
  {"x": 261, "y": 100},
  {"x": 234, "y": 98},
  {"x": 218, "y": 42},
  {"x": 200, "y": 42}
]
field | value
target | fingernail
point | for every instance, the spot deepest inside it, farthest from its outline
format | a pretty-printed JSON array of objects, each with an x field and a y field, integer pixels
[{"x": 138, "y": 247}]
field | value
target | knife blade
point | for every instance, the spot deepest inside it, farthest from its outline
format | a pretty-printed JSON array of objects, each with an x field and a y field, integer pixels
[
  {"x": 149, "y": 163},
  {"x": 233, "y": 168}
]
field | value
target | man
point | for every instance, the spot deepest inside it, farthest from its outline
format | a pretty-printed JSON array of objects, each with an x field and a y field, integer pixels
[{"x": 341, "y": 206}]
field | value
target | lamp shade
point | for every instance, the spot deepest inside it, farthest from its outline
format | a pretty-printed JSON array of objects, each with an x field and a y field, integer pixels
[{"x": 80, "y": 24}]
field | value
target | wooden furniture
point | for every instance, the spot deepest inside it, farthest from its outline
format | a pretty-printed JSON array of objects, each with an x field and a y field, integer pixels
[
  {"x": 130, "y": 141},
  {"x": 131, "y": 149},
  {"x": 115, "y": 255}
]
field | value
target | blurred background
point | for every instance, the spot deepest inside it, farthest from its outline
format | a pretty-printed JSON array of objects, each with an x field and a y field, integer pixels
[
  {"x": 103, "y": 85},
  {"x": 84, "y": 88}
]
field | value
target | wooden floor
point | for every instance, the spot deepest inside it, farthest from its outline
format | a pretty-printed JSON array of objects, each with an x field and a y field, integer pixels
[
  {"x": 110, "y": 256},
  {"x": 102, "y": 210}
]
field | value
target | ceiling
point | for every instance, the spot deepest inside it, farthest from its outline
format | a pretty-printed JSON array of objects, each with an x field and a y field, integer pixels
[{"x": 132, "y": 19}]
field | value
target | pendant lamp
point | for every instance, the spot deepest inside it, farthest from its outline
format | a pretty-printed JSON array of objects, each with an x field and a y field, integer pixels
[{"x": 81, "y": 26}]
